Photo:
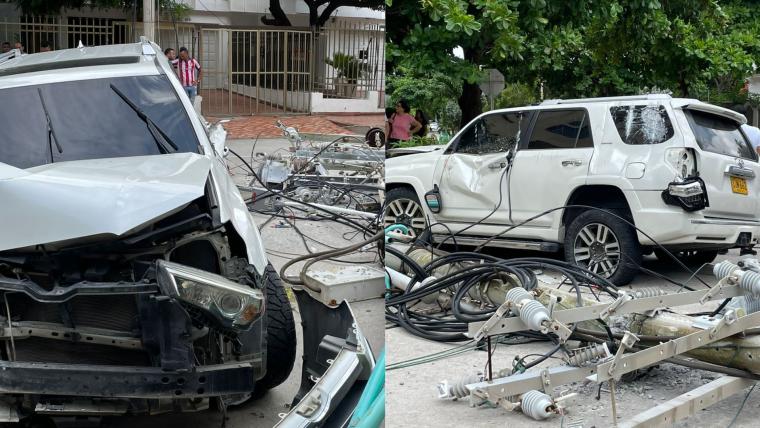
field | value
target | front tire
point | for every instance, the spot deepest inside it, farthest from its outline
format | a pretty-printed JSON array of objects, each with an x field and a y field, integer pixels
[
  {"x": 281, "y": 334},
  {"x": 402, "y": 206},
  {"x": 605, "y": 245}
]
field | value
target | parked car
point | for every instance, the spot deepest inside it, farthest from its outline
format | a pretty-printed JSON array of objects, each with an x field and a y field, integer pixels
[
  {"x": 132, "y": 276},
  {"x": 680, "y": 170}
]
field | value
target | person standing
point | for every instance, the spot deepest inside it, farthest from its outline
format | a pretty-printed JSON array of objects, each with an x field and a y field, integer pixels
[
  {"x": 402, "y": 124},
  {"x": 189, "y": 71},
  {"x": 420, "y": 117},
  {"x": 6, "y": 47},
  {"x": 45, "y": 46}
]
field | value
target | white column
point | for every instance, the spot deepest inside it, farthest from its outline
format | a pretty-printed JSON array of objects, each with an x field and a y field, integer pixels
[{"x": 149, "y": 19}]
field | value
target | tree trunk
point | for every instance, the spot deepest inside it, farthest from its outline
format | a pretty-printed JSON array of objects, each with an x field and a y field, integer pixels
[
  {"x": 470, "y": 102},
  {"x": 279, "y": 18},
  {"x": 683, "y": 86}
]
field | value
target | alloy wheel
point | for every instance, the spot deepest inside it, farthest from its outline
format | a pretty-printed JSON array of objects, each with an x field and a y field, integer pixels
[
  {"x": 597, "y": 248},
  {"x": 407, "y": 212}
]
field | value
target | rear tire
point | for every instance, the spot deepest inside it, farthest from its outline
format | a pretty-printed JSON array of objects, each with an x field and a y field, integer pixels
[
  {"x": 281, "y": 334},
  {"x": 605, "y": 245},
  {"x": 689, "y": 257}
]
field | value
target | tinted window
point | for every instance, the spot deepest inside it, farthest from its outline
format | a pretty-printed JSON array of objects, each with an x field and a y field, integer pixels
[
  {"x": 642, "y": 124},
  {"x": 561, "y": 130},
  {"x": 494, "y": 133},
  {"x": 720, "y": 135},
  {"x": 90, "y": 120}
]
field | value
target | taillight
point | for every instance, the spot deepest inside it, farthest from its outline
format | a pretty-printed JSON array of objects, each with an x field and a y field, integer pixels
[{"x": 683, "y": 161}]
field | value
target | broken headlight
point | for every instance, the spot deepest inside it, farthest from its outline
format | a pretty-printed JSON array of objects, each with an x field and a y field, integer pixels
[
  {"x": 232, "y": 304},
  {"x": 690, "y": 194}
]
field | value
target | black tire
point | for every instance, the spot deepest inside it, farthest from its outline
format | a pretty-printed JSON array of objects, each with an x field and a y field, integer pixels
[
  {"x": 375, "y": 137},
  {"x": 688, "y": 257},
  {"x": 281, "y": 334},
  {"x": 629, "y": 251},
  {"x": 404, "y": 194}
]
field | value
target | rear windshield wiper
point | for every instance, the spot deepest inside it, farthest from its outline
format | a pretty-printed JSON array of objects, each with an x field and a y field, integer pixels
[
  {"x": 162, "y": 140},
  {"x": 50, "y": 131}
]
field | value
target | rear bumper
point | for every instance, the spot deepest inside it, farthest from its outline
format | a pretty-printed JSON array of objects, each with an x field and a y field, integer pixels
[
  {"x": 124, "y": 382},
  {"x": 672, "y": 226}
]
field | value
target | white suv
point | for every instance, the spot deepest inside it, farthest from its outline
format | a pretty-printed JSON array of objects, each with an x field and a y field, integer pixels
[{"x": 679, "y": 169}]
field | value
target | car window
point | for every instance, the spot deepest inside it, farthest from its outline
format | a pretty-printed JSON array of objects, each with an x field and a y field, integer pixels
[
  {"x": 494, "y": 133},
  {"x": 90, "y": 120},
  {"x": 561, "y": 129},
  {"x": 642, "y": 124},
  {"x": 718, "y": 134}
]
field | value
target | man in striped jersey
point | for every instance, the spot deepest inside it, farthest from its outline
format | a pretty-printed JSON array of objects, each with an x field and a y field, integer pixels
[{"x": 189, "y": 72}]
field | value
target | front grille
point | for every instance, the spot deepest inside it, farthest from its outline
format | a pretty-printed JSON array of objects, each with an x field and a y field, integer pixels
[
  {"x": 40, "y": 350},
  {"x": 106, "y": 312}
]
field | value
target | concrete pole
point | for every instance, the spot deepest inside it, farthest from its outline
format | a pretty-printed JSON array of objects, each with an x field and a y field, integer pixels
[{"x": 149, "y": 19}]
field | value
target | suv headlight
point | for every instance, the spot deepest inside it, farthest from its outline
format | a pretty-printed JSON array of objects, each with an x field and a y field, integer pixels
[{"x": 232, "y": 304}]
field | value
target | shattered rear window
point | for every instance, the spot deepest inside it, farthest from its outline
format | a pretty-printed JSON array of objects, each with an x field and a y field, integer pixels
[
  {"x": 718, "y": 134},
  {"x": 495, "y": 133},
  {"x": 642, "y": 124}
]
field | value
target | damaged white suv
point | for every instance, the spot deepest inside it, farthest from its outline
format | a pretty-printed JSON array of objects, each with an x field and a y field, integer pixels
[
  {"x": 132, "y": 276},
  {"x": 681, "y": 170}
]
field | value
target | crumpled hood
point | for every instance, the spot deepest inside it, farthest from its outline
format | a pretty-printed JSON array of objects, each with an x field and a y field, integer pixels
[{"x": 71, "y": 200}]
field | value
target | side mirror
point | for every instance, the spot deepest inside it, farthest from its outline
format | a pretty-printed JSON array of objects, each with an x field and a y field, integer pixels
[{"x": 217, "y": 135}]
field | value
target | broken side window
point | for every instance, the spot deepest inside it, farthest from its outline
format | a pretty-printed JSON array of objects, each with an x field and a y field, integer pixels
[
  {"x": 642, "y": 124},
  {"x": 561, "y": 129},
  {"x": 494, "y": 133}
]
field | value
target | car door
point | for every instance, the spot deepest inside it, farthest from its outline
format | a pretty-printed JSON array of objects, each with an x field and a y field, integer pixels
[
  {"x": 550, "y": 164},
  {"x": 472, "y": 173}
]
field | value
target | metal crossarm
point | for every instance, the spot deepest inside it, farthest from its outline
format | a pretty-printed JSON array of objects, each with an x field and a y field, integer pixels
[
  {"x": 630, "y": 362},
  {"x": 585, "y": 313}
]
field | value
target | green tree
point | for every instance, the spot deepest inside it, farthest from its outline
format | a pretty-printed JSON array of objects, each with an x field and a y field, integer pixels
[
  {"x": 430, "y": 92},
  {"x": 579, "y": 48}
]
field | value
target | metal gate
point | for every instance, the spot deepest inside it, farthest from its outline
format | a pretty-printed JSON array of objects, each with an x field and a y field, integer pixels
[{"x": 255, "y": 71}]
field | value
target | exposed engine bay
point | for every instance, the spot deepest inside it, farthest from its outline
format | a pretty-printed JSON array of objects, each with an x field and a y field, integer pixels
[{"x": 141, "y": 302}]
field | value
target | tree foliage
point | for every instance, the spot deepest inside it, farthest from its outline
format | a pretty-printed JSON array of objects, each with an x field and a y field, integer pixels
[{"x": 579, "y": 48}]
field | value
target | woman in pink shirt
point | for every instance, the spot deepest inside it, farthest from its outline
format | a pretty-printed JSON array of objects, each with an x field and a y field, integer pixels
[{"x": 402, "y": 124}]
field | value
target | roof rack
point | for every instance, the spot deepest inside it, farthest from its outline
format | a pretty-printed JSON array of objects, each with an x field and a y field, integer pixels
[
  {"x": 606, "y": 99},
  {"x": 13, "y": 53}
]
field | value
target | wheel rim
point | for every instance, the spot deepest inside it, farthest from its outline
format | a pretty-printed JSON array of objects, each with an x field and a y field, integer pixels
[
  {"x": 597, "y": 248},
  {"x": 407, "y": 212}
]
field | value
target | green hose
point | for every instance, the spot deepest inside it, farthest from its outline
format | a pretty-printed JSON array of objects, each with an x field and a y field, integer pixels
[{"x": 366, "y": 414}]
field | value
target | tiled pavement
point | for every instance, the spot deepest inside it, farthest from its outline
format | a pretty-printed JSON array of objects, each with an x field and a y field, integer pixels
[{"x": 264, "y": 126}]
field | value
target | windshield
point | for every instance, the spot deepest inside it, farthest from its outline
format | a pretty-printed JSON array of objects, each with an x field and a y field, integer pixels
[
  {"x": 719, "y": 135},
  {"x": 90, "y": 120}
]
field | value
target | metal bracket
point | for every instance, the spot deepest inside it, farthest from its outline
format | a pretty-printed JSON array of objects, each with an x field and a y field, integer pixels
[
  {"x": 552, "y": 304},
  {"x": 629, "y": 339},
  {"x": 728, "y": 319},
  {"x": 561, "y": 330},
  {"x": 495, "y": 318},
  {"x": 624, "y": 297},
  {"x": 717, "y": 288},
  {"x": 546, "y": 382}
]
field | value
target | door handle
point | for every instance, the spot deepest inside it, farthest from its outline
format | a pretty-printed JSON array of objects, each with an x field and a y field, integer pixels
[
  {"x": 572, "y": 162},
  {"x": 497, "y": 165}
]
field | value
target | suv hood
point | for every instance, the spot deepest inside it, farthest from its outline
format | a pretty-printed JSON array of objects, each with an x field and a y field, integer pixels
[{"x": 90, "y": 198}]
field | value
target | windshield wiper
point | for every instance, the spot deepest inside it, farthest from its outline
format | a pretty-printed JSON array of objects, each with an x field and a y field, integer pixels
[
  {"x": 162, "y": 140},
  {"x": 50, "y": 131}
]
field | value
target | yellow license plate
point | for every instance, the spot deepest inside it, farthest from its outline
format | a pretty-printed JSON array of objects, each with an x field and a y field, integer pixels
[{"x": 739, "y": 185}]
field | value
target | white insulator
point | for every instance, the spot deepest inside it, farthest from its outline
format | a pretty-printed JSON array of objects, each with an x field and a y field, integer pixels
[
  {"x": 749, "y": 281},
  {"x": 724, "y": 269},
  {"x": 588, "y": 354},
  {"x": 533, "y": 314},
  {"x": 536, "y": 404},
  {"x": 648, "y": 292},
  {"x": 517, "y": 295},
  {"x": 458, "y": 389}
]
